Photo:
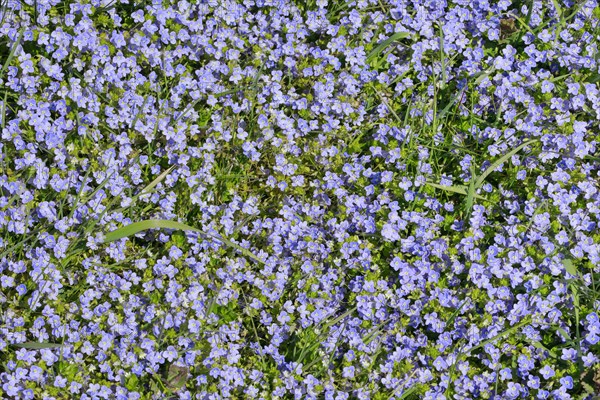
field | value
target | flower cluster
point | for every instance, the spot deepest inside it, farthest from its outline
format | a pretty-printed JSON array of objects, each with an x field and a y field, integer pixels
[{"x": 391, "y": 199}]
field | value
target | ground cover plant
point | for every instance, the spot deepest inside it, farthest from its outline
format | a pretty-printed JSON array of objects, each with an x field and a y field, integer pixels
[{"x": 277, "y": 199}]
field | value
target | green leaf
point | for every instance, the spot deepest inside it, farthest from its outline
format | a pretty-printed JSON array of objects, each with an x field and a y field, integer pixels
[
  {"x": 176, "y": 377},
  {"x": 592, "y": 78},
  {"x": 386, "y": 43},
  {"x": 132, "y": 382},
  {"x": 136, "y": 227},
  {"x": 226, "y": 313},
  {"x": 38, "y": 345},
  {"x": 154, "y": 387},
  {"x": 500, "y": 161},
  {"x": 67, "y": 369},
  {"x": 587, "y": 388},
  {"x": 570, "y": 267},
  {"x": 355, "y": 145}
]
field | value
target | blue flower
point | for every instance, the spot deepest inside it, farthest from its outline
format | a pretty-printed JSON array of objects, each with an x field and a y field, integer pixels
[{"x": 547, "y": 372}]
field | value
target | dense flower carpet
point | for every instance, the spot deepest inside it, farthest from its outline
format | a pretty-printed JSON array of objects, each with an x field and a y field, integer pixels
[{"x": 278, "y": 199}]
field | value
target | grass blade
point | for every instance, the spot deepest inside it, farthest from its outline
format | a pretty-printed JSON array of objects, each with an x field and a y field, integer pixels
[
  {"x": 455, "y": 313},
  {"x": 137, "y": 227},
  {"x": 500, "y": 161},
  {"x": 79, "y": 193},
  {"x": 498, "y": 336},
  {"x": 3, "y": 112},
  {"x": 569, "y": 266},
  {"x": 139, "y": 113},
  {"x": 377, "y": 50},
  {"x": 558, "y": 8},
  {"x": 450, "y": 104},
  {"x": 454, "y": 189},
  {"x": 11, "y": 55},
  {"x": 442, "y": 58},
  {"x": 217, "y": 95},
  {"x": 147, "y": 189},
  {"x": 539, "y": 345},
  {"x": 563, "y": 333},
  {"x": 158, "y": 180},
  {"x": 470, "y": 194},
  {"x": 37, "y": 345},
  {"x": 100, "y": 187}
]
